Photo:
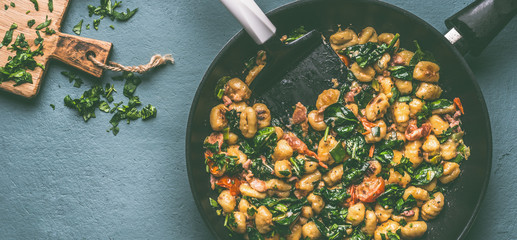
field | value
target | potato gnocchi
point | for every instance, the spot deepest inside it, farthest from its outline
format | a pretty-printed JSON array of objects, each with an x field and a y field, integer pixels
[{"x": 369, "y": 160}]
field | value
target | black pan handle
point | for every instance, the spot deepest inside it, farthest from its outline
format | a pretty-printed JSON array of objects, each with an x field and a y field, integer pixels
[{"x": 472, "y": 28}]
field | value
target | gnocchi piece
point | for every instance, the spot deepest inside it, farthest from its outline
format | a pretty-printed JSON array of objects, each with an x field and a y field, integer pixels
[
  {"x": 343, "y": 38},
  {"x": 252, "y": 74},
  {"x": 277, "y": 184},
  {"x": 367, "y": 35},
  {"x": 413, "y": 152},
  {"x": 448, "y": 149},
  {"x": 413, "y": 230},
  {"x": 240, "y": 222},
  {"x": 451, "y": 171},
  {"x": 404, "y": 87},
  {"x": 376, "y": 135},
  {"x": 247, "y": 190},
  {"x": 370, "y": 222},
  {"x": 233, "y": 150},
  {"x": 310, "y": 230},
  {"x": 354, "y": 108},
  {"x": 428, "y": 91},
  {"x": 238, "y": 106},
  {"x": 282, "y": 150},
  {"x": 448, "y": 110},
  {"x": 296, "y": 233},
  {"x": 307, "y": 212},
  {"x": 401, "y": 112},
  {"x": 316, "y": 121},
  {"x": 283, "y": 169},
  {"x": 232, "y": 138},
  {"x": 382, "y": 64},
  {"x": 377, "y": 107},
  {"x": 365, "y": 74},
  {"x": 415, "y": 106},
  {"x": 327, "y": 98},
  {"x": 243, "y": 207},
  {"x": 427, "y": 72},
  {"x": 403, "y": 57},
  {"x": 430, "y": 186},
  {"x": 382, "y": 213},
  {"x": 397, "y": 178},
  {"x": 431, "y": 145},
  {"x": 237, "y": 90},
  {"x": 356, "y": 214},
  {"x": 317, "y": 202},
  {"x": 418, "y": 193},
  {"x": 334, "y": 175},
  {"x": 324, "y": 148},
  {"x": 279, "y": 133},
  {"x": 306, "y": 183},
  {"x": 310, "y": 166},
  {"x": 263, "y": 220},
  {"x": 263, "y": 115},
  {"x": 412, "y": 215},
  {"x": 227, "y": 201},
  {"x": 383, "y": 229},
  {"x": 374, "y": 169},
  {"x": 218, "y": 119},
  {"x": 248, "y": 122},
  {"x": 386, "y": 85},
  {"x": 433, "y": 207},
  {"x": 438, "y": 125},
  {"x": 387, "y": 38}
]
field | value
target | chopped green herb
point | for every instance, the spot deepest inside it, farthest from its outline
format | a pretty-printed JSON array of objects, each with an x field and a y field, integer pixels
[
  {"x": 96, "y": 23},
  {"x": 49, "y": 31},
  {"x": 28, "y": 11},
  {"x": 13, "y": 5},
  {"x": 88, "y": 26},
  {"x": 72, "y": 77},
  {"x": 6, "y": 6},
  {"x": 111, "y": 26},
  {"x": 39, "y": 39},
  {"x": 51, "y": 5},
  {"x": 36, "y": 5},
  {"x": 219, "y": 88},
  {"x": 107, "y": 9},
  {"x": 402, "y": 72},
  {"x": 15, "y": 69},
  {"x": 31, "y": 23},
  {"x": 421, "y": 55},
  {"x": 8, "y": 37},
  {"x": 77, "y": 28},
  {"x": 44, "y": 24},
  {"x": 53, "y": 106},
  {"x": 213, "y": 203},
  {"x": 148, "y": 112},
  {"x": 295, "y": 34}
]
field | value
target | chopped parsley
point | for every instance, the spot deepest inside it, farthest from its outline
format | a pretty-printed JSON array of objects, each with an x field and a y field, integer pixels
[
  {"x": 72, "y": 77},
  {"x": 36, "y": 5},
  {"x": 51, "y": 5},
  {"x": 44, "y": 24},
  {"x": 16, "y": 69},
  {"x": 77, "y": 28},
  {"x": 53, "y": 106},
  {"x": 8, "y": 37},
  {"x": 31, "y": 23}
]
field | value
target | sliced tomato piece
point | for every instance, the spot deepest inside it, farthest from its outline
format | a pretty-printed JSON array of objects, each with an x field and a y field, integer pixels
[
  {"x": 345, "y": 60},
  {"x": 353, "y": 198},
  {"x": 230, "y": 183},
  {"x": 370, "y": 189},
  {"x": 458, "y": 104},
  {"x": 372, "y": 150}
]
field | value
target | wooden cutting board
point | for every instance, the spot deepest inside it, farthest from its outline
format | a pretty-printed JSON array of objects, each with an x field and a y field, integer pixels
[{"x": 69, "y": 49}]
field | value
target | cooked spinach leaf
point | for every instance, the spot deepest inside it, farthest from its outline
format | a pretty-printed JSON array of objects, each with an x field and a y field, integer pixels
[
  {"x": 402, "y": 72},
  {"x": 368, "y": 53},
  {"x": 425, "y": 173},
  {"x": 421, "y": 55},
  {"x": 295, "y": 34}
]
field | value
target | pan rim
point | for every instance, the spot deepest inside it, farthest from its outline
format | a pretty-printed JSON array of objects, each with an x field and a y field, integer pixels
[{"x": 406, "y": 13}]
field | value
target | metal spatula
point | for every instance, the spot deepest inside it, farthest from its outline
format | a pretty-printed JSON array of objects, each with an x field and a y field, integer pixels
[{"x": 295, "y": 72}]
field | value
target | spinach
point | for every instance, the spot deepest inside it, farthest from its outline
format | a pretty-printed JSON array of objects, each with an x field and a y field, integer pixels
[
  {"x": 333, "y": 231},
  {"x": 402, "y": 72},
  {"x": 212, "y": 147},
  {"x": 8, "y": 37},
  {"x": 368, "y": 53},
  {"x": 295, "y": 34},
  {"x": 358, "y": 235},
  {"x": 424, "y": 113},
  {"x": 385, "y": 157},
  {"x": 405, "y": 99},
  {"x": 233, "y": 120},
  {"x": 96, "y": 23},
  {"x": 394, "y": 94},
  {"x": 229, "y": 221},
  {"x": 36, "y": 5},
  {"x": 31, "y": 23},
  {"x": 310, "y": 139},
  {"x": 72, "y": 77},
  {"x": 354, "y": 170},
  {"x": 364, "y": 97},
  {"x": 245, "y": 147},
  {"x": 224, "y": 161},
  {"x": 404, "y": 166},
  {"x": 148, "y": 112},
  {"x": 49, "y": 31},
  {"x": 253, "y": 234},
  {"x": 426, "y": 173},
  {"x": 356, "y": 146},
  {"x": 391, "y": 236},
  {"x": 463, "y": 153},
  {"x": 51, "y": 5},
  {"x": 421, "y": 55},
  {"x": 404, "y": 205},
  {"x": 53, "y": 106},
  {"x": 219, "y": 88},
  {"x": 334, "y": 214},
  {"x": 260, "y": 170},
  {"x": 445, "y": 134},
  {"x": 286, "y": 212},
  {"x": 87, "y": 103},
  {"x": 333, "y": 196},
  {"x": 16, "y": 68},
  {"x": 392, "y": 193},
  {"x": 341, "y": 119},
  {"x": 77, "y": 28},
  {"x": 264, "y": 138},
  {"x": 439, "y": 104},
  {"x": 389, "y": 144},
  {"x": 132, "y": 82},
  {"x": 298, "y": 166},
  {"x": 338, "y": 153},
  {"x": 44, "y": 24},
  {"x": 107, "y": 9}
]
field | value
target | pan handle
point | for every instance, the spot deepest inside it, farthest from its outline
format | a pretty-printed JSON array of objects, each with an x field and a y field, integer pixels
[
  {"x": 252, "y": 18},
  {"x": 472, "y": 28}
]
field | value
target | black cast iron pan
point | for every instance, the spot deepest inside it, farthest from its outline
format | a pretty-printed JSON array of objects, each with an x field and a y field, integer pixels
[{"x": 473, "y": 28}]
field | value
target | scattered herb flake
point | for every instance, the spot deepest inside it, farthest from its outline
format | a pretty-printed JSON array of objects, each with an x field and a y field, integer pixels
[
  {"x": 38, "y": 40},
  {"x": 111, "y": 26},
  {"x": 49, "y": 31},
  {"x": 77, "y": 28},
  {"x": 51, "y": 5},
  {"x": 36, "y": 5},
  {"x": 72, "y": 77},
  {"x": 31, "y": 23},
  {"x": 44, "y": 24},
  {"x": 88, "y": 26},
  {"x": 96, "y": 23},
  {"x": 28, "y": 11},
  {"x": 53, "y": 106},
  {"x": 8, "y": 37},
  {"x": 13, "y": 5}
]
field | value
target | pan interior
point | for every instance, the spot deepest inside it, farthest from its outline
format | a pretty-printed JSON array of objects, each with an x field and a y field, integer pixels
[{"x": 466, "y": 193}]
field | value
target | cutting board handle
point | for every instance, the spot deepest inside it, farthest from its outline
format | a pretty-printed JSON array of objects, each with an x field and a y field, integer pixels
[{"x": 73, "y": 50}]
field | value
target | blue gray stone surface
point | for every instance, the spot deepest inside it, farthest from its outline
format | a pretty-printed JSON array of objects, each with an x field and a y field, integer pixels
[{"x": 62, "y": 178}]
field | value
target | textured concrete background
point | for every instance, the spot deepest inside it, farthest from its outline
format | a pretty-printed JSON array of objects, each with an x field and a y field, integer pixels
[{"x": 61, "y": 178}]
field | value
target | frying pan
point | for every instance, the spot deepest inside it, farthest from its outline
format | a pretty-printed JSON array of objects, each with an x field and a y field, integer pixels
[{"x": 472, "y": 29}]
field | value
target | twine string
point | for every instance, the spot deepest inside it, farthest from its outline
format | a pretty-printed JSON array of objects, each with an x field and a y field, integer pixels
[{"x": 155, "y": 61}]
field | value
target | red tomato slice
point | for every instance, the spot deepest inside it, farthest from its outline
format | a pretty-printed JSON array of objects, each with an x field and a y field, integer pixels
[
  {"x": 344, "y": 59},
  {"x": 231, "y": 183},
  {"x": 369, "y": 189}
]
